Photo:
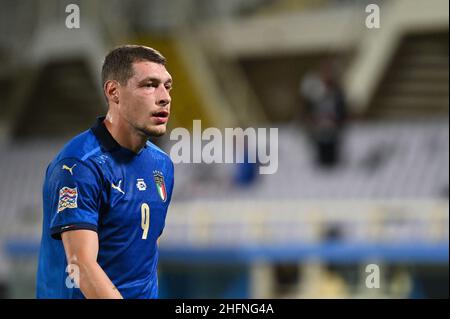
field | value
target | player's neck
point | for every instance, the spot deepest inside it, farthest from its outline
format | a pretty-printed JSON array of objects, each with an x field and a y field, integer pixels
[{"x": 124, "y": 134}]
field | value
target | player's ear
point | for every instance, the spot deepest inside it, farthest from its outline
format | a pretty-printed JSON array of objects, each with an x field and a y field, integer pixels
[{"x": 111, "y": 91}]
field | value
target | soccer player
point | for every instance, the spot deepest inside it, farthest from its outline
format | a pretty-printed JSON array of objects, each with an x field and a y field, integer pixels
[{"x": 106, "y": 194}]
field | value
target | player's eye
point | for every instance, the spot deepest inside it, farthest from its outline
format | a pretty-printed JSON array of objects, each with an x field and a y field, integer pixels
[{"x": 150, "y": 84}]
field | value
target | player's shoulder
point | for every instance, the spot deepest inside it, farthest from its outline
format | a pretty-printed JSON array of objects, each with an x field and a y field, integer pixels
[
  {"x": 80, "y": 147},
  {"x": 73, "y": 163},
  {"x": 158, "y": 154},
  {"x": 78, "y": 150},
  {"x": 156, "y": 151}
]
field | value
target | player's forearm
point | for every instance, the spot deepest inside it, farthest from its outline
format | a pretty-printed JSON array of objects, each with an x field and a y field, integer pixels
[{"x": 95, "y": 283}]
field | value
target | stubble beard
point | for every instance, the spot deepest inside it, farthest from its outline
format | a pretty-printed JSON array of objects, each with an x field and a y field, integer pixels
[{"x": 153, "y": 131}]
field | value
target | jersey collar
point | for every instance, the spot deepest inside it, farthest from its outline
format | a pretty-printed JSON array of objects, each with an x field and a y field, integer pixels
[{"x": 101, "y": 132}]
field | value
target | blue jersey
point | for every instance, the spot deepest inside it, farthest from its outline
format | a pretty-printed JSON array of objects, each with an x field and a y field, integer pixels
[{"x": 96, "y": 184}]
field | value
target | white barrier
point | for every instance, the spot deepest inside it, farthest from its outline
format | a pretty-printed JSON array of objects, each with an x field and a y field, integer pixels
[{"x": 225, "y": 224}]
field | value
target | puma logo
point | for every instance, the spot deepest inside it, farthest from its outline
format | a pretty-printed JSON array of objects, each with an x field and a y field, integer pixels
[
  {"x": 117, "y": 188},
  {"x": 69, "y": 168}
]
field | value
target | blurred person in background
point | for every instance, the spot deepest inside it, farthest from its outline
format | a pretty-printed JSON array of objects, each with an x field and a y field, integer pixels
[
  {"x": 107, "y": 192},
  {"x": 246, "y": 173},
  {"x": 325, "y": 112}
]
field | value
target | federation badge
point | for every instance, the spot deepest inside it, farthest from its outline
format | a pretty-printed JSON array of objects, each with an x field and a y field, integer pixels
[
  {"x": 160, "y": 186},
  {"x": 67, "y": 198}
]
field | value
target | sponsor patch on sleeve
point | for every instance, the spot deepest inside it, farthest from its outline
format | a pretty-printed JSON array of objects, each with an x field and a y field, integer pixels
[{"x": 67, "y": 198}]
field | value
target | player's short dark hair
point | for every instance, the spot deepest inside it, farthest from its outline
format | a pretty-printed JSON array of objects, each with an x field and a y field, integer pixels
[{"x": 118, "y": 64}]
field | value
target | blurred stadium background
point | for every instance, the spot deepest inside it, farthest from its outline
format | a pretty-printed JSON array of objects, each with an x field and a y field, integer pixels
[{"x": 363, "y": 139}]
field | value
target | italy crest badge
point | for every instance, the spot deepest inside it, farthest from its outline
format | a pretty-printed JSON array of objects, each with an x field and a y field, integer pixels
[{"x": 160, "y": 185}]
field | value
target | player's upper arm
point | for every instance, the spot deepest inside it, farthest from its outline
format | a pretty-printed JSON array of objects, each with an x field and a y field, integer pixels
[
  {"x": 73, "y": 192},
  {"x": 81, "y": 246}
]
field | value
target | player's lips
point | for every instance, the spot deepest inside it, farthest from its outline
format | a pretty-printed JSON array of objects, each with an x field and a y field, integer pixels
[{"x": 161, "y": 117}]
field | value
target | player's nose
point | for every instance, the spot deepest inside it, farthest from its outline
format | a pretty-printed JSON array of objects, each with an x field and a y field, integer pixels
[{"x": 163, "y": 97}]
